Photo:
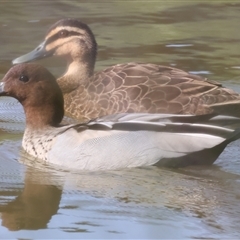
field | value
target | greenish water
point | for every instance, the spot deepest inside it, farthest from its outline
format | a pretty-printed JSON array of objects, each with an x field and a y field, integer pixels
[{"x": 39, "y": 202}]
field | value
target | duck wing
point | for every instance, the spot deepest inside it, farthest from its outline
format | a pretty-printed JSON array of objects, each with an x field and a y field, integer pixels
[
  {"x": 134, "y": 140},
  {"x": 152, "y": 88}
]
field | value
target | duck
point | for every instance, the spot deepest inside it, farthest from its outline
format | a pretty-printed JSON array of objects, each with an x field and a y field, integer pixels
[
  {"x": 111, "y": 142},
  {"x": 126, "y": 87}
]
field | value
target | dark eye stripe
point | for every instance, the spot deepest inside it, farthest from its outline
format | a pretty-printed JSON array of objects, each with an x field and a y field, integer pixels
[{"x": 56, "y": 36}]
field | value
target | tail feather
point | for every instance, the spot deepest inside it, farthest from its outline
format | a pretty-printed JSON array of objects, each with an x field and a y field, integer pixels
[{"x": 203, "y": 157}]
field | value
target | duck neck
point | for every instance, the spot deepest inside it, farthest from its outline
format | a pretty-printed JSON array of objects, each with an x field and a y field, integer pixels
[
  {"x": 78, "y": 73},
  {"x": 43, "y": 116}
]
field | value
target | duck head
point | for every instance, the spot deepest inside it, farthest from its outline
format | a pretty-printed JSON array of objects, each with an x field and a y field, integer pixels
[
  {"x": 68, "y": 38},
  {"x": 36, "y": 89}
]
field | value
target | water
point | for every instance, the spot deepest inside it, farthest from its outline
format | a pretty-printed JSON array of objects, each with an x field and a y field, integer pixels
[{"x": 38, "y": 201}]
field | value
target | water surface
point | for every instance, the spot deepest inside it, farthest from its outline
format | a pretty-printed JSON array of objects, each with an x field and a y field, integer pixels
[{"x": 39, "y": 201}]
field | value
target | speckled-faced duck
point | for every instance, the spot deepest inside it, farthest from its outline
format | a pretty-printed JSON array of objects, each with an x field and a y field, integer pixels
[
  {"x": 111, "y": 142},
  {"x": 130, "y": 87}
]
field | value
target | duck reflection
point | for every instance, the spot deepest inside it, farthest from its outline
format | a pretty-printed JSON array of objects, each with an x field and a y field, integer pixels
[
  {"x": 35, "y": 205},
  {"x": 205, "y": 193}
]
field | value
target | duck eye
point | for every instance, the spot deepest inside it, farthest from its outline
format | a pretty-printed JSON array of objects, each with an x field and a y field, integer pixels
[
  {"x": 24, "y": 78},
  {"x": 63, "y": 33}
]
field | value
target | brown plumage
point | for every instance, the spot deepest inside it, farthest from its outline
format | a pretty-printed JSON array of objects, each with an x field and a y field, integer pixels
[
  {"x": 23, "y": 79},
  {"x": 131, "y": 87}
]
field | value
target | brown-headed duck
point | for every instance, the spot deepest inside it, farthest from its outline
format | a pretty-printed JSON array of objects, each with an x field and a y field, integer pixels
[{"x": 111, "y": 142}]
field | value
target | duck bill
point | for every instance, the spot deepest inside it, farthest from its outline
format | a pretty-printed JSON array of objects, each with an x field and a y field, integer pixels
[
  {"x": 38, "y": 53},
  {"x": 2, "y": 92}
]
